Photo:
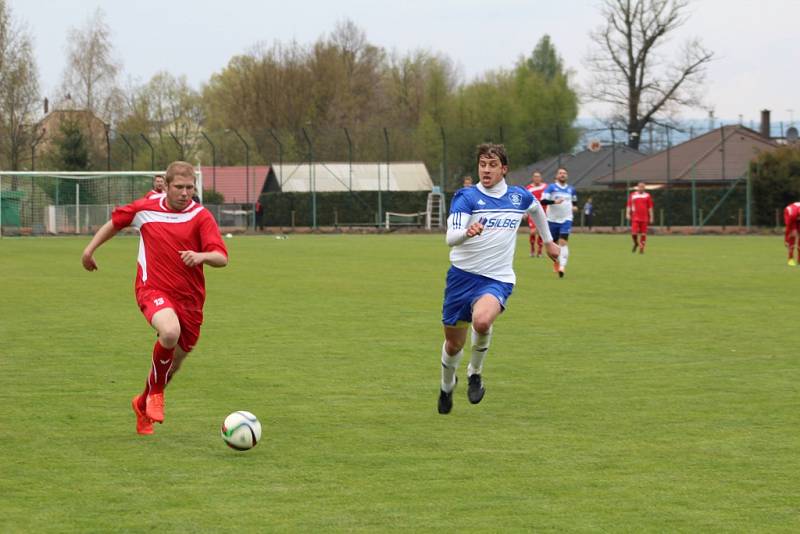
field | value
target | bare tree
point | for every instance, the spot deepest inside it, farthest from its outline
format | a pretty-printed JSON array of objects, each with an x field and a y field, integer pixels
[
  {"x": 628, "y": 71},
  {"x": 19, "y": 88},
  {"x": 90, "y": 77}
]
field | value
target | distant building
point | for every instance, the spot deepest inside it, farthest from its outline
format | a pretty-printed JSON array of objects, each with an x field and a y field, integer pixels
[
  {"x": 584, "y": 167},
  {"x": 716, "y": 157},
  {"x": 295, "y": 177},
  {"x": 49, "y": 128}
]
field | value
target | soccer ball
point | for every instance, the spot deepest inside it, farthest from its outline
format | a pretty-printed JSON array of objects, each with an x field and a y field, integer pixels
[{"x": 241, "y": 430}]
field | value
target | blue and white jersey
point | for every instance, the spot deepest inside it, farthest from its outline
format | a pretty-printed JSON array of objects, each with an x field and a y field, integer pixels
[
  {"x": 491, "y": 253},
  {"x": 560, "y": 213}
]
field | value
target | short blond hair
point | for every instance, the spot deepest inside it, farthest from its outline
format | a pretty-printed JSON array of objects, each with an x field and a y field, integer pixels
[{"x": 179, "y": 168}]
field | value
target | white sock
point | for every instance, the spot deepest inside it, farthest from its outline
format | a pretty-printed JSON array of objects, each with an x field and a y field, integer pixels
[
  {"x": 449, "y": 367},
  {"x": 563, "y": 256},
  {"x": 480, "y": 346}
]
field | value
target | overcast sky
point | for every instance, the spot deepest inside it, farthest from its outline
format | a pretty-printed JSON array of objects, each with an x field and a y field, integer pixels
[{"x": 755, "y": 41}]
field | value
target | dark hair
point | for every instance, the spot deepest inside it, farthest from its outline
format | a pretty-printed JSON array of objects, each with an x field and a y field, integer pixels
[{"x": 492, "y": 150}]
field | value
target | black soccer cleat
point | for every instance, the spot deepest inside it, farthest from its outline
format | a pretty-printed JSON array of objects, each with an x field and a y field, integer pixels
[
  {"x": 475, "y": 391},
  {"x": 445, "y": 402},
  {"x": 561, "y": 274}
]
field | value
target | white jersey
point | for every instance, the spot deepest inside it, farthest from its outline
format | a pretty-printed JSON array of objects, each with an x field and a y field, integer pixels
[
  {"x": 491, "y": 253},
  {"x": 559, "y": 213}
]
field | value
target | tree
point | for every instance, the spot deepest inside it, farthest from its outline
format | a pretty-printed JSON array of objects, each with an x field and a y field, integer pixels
[
  {"x": 72, "y": 147},
  {"x": 627, "y": 70},
  {"x": 544, "y": 60},
  {"x": 90, "y": 77},
  {"x": 19, "y": 89}
]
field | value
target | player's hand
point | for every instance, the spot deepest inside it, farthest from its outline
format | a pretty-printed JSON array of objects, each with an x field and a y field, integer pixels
[
  {"x": 558, "y": 201},
  {"x": 191, "y": 258},
  {"x": 88, "y": 262},
  {"x": 552, "y": 250},
  {"x": 476, "y": 228}
]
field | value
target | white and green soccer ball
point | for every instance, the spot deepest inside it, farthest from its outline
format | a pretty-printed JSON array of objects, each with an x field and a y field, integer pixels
[{"x": 241, "y": 430}]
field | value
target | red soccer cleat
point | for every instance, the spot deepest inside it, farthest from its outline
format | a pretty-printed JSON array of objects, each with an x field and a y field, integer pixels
[
  {"x": 154, "y": 407},
  {"x": 144, "y": 425}
]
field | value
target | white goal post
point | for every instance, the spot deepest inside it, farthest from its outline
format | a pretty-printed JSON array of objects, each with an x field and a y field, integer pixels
[
  {"x": 56, "y": 203},
  {"x": 397, "y": 220}
]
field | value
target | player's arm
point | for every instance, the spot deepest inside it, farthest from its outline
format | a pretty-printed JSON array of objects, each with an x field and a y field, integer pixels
[
  {"x": 213, "y": 259},
  {"x": 628, "y": 209},
  {"x": 459, "y": 231},
  {"x": 536, "y": 212},
  {"x": 106, "y": 232}
]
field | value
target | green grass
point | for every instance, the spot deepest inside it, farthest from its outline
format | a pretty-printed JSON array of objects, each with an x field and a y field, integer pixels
[{"x": 640, "y": 393}]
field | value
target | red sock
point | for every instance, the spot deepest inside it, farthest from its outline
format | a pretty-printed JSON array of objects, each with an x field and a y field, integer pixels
[
  {"x": 532, "y": 240},
  {"x": 159, "y": 372},
  {"x": 644, "y": 240},
  {"x": 539, "y": 244}
]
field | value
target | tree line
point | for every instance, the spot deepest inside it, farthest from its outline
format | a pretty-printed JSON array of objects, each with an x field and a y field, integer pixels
[{"x": 338, "y": 97}]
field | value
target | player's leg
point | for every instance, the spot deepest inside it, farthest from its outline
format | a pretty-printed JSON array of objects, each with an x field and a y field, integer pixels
[
  {"x": 484, "y": 312},
  {"x": 789, "y": 241},
  {"x": 642, "y": 236},
  {"x": 455, "y": 318},
  {"x": 539, "y": 245},
  {"x": 532, "y": 240},
  {"x": 452, "y": 352},
  {"x": 168, "y": 326},
  {"x": 635, "y": 235},
  {"x": 555, "y": 231}
]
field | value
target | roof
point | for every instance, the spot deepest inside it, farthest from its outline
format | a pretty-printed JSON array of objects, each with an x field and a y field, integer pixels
[
  {"x": 584, "y": 167},
  {"x": 332, "y": 176},
  {"x": 231, "y": 182},
  {"x": 700, "y": 158}
]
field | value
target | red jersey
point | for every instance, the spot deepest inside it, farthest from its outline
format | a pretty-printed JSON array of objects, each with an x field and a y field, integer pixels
[
  {"x": 163, "y": 234},
  {"x": 536, "y": 190},
  {"x": 791, "y": 213},
  {"x": 640, "y": 205}
]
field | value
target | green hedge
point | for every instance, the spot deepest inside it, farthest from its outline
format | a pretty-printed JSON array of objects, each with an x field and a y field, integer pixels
[{"x": 360, "y": 208}]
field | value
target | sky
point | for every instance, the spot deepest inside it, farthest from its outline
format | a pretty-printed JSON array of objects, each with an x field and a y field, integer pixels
[{"x": 754, "y": 41}]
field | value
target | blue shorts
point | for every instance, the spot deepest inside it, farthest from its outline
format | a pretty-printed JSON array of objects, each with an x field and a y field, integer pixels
[
  {"x": 463, "y": 289},
  {"x": 560, "y": 230}
]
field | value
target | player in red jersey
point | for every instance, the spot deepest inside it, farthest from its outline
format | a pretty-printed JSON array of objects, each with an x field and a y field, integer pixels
[
  {"x": 536, "y": 187},
  {"x": 177, "y": 237},
  {"x": 158, "y": 187},
  {"x": 639, "y": 210},
  {"x": 791, "y": 217}
]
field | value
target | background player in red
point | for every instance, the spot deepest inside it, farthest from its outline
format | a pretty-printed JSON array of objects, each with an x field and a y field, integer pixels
[
  {"x": 536, "y": 187},
  {"x": 158, "y": 186},
  {"x": 639, "y": 210},
  {"x": 791, "y": 217},
  {"x": 177, "y": 237}
]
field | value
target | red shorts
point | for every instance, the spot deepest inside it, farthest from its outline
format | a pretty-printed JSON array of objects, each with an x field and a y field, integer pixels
[
  {"x": 639, "y": 227},
  {"x": 151, "y": 301}
]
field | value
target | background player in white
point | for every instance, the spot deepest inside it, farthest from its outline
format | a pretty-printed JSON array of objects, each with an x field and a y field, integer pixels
[
  {"x": 482, "y": 231},
  {"x": 562, "y": 200}
]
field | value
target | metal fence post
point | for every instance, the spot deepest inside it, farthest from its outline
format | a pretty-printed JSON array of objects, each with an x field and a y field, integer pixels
[
  {"x": 213, "y": 160},
  {"x": 311, "y": 184}
]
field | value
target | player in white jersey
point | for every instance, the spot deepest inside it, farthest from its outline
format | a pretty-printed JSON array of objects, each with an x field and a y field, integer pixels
[
  {"x": 482, "y": 231},
  {"x": 562, "y": 200}
]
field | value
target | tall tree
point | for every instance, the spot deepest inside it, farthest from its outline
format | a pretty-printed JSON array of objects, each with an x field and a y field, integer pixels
[
  {"x": 19, "y": 88},
  {"x": 627, "y": 70},
  {"x": 90, "y": 75},
  {"x": 545, "y": 60}
]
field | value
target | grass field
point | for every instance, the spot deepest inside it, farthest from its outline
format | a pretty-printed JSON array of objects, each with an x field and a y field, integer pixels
[{"x": 640, "y": 393}]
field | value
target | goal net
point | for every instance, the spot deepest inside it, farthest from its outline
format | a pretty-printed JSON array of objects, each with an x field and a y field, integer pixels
[
  {"x": 53, "y": 203},
  {"x": 401, "y": 220}
]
